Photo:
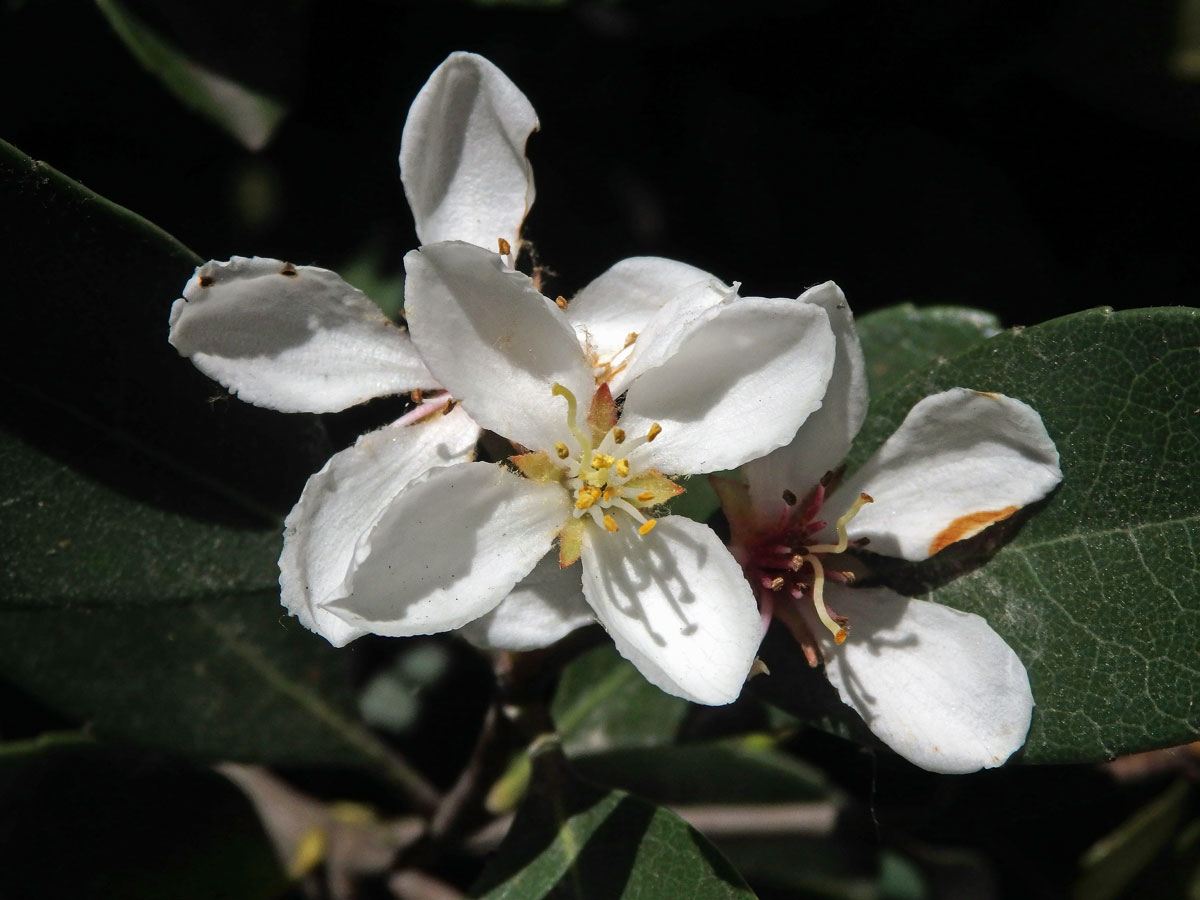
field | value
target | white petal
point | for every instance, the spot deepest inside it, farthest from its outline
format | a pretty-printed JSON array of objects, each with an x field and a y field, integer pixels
[
  {"x": 938, "y": 686},
  {"x": 740, "y": 384},
  {"x": 677, "y": 607},
  {"x": 495, "y": 343},
  {"x": 345, "y": 499},
  {"x": 674, "y": 323},
  {"x": 462, "y": 155},
  {"x": 543, "y": 608},
  {"x": 291, "y": 338},
  {"x": 449, "y": 548},
  {"x": 958, "y": 462},
  {"x": 821, "y": 443},
  {"x": 627, "y": 298}
]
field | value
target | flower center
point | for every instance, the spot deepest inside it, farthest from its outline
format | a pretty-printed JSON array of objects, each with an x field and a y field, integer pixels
[
  {"x": 599, "y": 474},
  {"x": 787, "y": 563}
]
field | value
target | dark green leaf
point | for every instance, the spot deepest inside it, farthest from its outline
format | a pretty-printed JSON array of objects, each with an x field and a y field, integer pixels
[
  {"x": 89, "y": 376},
  {"x": 604, "y": 702},
  {"x": 900, "y": 339},
  {"x": 249, "y": 115},
  {"x": 1099, "y": 591},
  {"x": 84, "y": 820},
  {"x": 67, "y": 540},
  {"x": 574, "y": 840},
  {"x": 226, "y": 678}
]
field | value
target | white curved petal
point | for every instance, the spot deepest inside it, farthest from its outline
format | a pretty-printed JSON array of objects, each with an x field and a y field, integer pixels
[
  {"x": 291, "y": 338},
  {"x": 742, "y": 381},
  {"x": 544, "y": 607},
  {"x": 626, "y": 299},
  {"x": 665, "y": 333},
  {"x": 821, "y": 443},
  {"x": 462, "y": 155},
  {"x": 341, "y": 503},
  {"x": 677, "y": 607},
  {"x": 938, "y": 686},
  {"x": 959, "y": 461},
  {"x": 495, "y": 343},
  {"x": 448, "y": 548}
]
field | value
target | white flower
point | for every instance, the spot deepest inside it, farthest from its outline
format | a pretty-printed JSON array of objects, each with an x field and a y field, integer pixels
[
  {"x": 732, "y": 384},
  {"x": 937, "y": 685}
]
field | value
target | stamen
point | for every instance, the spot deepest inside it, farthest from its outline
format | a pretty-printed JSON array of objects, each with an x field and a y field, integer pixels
[
  {"x": 602, "y": 461},
  {"x": 560, "y": 301},
  {"x": 843, "y": 540},
  {"x": 610, "y": 524},
  {"x": 645, "y": 496},
  {"x": 505, "y": 247},
  {"x": 622, "y": 467},
  {"x": 776, "y": 583},
  {"x": 610, "y": 492},
  {"x": 655, "y": 431},
  {"x": 818, "y": 595},
  {"x": 417, "y": 396},
  {"x": 630, "y": 338},
  {"x": 789, "y": 498},
  {"x": 561, "y": 450},
  {"x": 647, "y": 527},
  {"x": 618, "y": 435}
]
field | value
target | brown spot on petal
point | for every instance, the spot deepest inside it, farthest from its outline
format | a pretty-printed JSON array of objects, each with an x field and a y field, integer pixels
[{"x": 968, "y": 526}]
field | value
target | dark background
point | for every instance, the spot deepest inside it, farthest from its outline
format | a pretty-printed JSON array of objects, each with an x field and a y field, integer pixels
[{"x": 1034, "y": 159}]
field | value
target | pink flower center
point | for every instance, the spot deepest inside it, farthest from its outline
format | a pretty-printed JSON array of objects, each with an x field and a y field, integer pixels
[{"x": 788, "y": 566}]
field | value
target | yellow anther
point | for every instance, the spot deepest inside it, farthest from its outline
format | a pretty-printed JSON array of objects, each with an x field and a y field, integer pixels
[
  {"x": 562, "y": 450},
  {"x": 560, "y": 301},
  {"x": 655, "y": 431},
  {"x": 647, "y": 527},
  {"x": 645, "y": 496},
  {"x": 610, "y": 492},
  {"x": 505, "y": 246},
  {"x": 777, "y": 583},
  {"x": 602, "y": 460},
  {"x": 610, "y": 524},
  {"x": 630, "y": 338},
  {"x": 623, "y": 467},
  {"x": 618, "y": 435},
  {"x": 587, "y": 496}
]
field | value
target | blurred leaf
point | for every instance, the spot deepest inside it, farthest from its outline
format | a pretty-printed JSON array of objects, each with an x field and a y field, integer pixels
[
  {"x": 900, "y": 339},
  {"x": 603, "y": 702},
  {"x": 248, "y": 115},
  {"x": 84, "y": 820},
  {"x": 1115, "y": 860},
  {"x": 1099, "y": 591},
  {"x": 788, "y": 827},
  {"x": 574, "y": 840},
  {"x": 698, "y": 501},
  {"x": 706, "y": 773},
  {"x": 66, "y": 540}
]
